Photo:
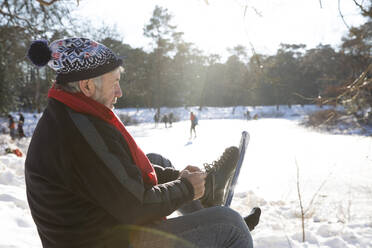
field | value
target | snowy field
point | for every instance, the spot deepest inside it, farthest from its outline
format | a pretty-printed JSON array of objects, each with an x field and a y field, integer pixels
[{"x": 335, "y": 174}]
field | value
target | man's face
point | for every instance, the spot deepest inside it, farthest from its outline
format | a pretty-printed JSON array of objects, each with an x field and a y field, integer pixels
[{"x": 110, "y": 89}]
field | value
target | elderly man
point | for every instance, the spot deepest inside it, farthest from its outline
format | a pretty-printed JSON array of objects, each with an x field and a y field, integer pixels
[{"x": 88, "y": 182}]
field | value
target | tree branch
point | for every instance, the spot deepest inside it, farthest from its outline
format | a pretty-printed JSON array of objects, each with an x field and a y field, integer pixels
[
  {"x": 360, "y": 83},
  {"x": 46, "y": 3},
  {"x": 300, "y": 201},
  {"x": 342, "y": 17},
  {"x": 14, "y": 16},
  {"x": 362, "y": 8}
]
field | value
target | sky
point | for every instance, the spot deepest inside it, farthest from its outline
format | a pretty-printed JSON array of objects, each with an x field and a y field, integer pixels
[{"x": 215, "y": 25}]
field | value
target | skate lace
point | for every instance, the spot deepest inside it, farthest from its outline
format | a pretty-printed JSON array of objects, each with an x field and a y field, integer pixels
[
  {"x": 214, "y": 166},
  {"x": 217, "y": 163}
]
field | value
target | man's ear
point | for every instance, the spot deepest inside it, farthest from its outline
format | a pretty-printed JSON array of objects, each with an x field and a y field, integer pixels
[{"x": 87, "y": 87}]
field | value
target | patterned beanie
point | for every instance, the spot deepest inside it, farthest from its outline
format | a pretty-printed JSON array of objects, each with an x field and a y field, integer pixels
[{"x": 74, "y": 59}]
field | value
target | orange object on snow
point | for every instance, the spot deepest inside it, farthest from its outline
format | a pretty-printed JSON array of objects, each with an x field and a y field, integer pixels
[{"x": 17, "y": 152}]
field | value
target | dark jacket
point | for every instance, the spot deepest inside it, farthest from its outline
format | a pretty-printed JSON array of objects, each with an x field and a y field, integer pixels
[{"x": 76, "y": 200}]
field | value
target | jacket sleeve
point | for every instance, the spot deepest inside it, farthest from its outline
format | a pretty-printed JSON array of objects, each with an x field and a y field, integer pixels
[
  {"x": 165, "y": 174},
  {"x": 106, "y": 175}
]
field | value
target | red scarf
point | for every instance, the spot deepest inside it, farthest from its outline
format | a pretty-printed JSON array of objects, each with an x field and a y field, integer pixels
[{"x": 83, "y": 104}]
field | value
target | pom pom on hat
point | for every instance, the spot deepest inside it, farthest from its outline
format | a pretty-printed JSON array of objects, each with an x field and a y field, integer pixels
[{"x": 39, "y": 53}]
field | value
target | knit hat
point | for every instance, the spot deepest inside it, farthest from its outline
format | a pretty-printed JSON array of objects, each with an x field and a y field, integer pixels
[{"x": 73, "y": 59}]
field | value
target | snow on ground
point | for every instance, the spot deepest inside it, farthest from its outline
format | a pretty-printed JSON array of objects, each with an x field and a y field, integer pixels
[{"x": 335, "y": 174}]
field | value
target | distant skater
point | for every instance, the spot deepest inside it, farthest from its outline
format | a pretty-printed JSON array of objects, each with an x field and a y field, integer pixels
[
  {"x": 170, "y": 119},
  {"x": 194, "y": 122},
  {"x": 11, "y": 126},
  {"x": 156, "y": 119},
  {"x": 247, "y": 115},
  {"x": 165, "y": 120},
  {"x": 21, "y": 121}
]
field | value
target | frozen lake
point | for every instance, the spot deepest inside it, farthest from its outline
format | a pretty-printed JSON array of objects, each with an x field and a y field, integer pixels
[{"x": 335, "y": 174}]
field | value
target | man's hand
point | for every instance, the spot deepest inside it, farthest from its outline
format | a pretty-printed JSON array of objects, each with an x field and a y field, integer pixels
[
  {"x": 197, "y": 180},
  {"x": 192, "y": 168}
]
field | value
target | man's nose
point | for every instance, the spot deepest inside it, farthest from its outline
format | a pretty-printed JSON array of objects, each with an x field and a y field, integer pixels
[{"x": 118, "y": 92}]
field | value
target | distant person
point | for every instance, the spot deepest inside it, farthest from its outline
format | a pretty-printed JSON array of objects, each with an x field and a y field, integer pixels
[
  {"x": 165, "y": 120},
  {"x": 156, "y": 119},
  {"x": 11, "y": 126},
  {"x": 88, "y": 182},
  {"x": 21, "y": 122},
  {"x": 247, "y": 115},
  {"x": 194, "y": 122},
  {"x": 170, "y": 119}
]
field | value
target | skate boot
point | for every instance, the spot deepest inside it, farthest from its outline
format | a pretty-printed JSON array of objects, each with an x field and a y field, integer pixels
[
  {"x": 218, "y": 175},
  {"x": 253, "y": 218}
]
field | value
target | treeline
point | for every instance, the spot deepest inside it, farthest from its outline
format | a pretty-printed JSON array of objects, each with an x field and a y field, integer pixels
[{"x": 176, "y": 72}]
